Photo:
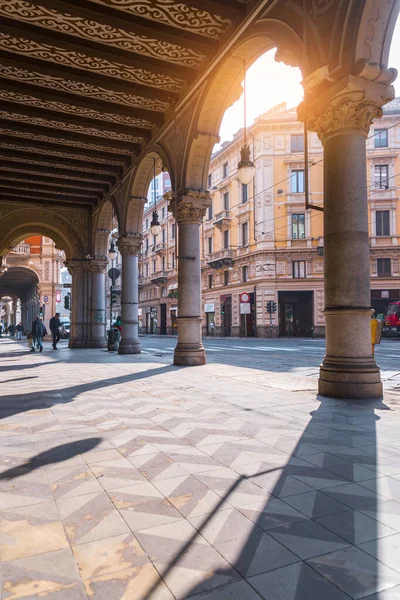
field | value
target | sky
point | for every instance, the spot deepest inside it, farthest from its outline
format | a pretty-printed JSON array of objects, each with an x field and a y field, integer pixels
[{"x": 261, "y": 95}]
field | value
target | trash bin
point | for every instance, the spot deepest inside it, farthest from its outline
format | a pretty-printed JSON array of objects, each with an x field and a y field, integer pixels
[
  {"x": 113, "y": 339},
  {"x": 376, "y": 332}
]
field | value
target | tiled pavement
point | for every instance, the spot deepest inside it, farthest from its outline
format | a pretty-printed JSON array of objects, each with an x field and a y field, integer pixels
[{"x": 126, "y": 478}]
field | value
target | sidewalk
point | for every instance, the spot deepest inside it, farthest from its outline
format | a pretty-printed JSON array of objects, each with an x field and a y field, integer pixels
[{"x": 126, "y": 478}]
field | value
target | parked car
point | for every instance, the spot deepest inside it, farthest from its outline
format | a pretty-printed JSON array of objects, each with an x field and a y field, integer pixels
[{"x": 65, "y": 329}]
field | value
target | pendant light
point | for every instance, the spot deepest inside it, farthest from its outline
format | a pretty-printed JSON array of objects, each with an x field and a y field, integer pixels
[
  {"x": 246, "y": 167},
  {"x": 155, "y": 226}
]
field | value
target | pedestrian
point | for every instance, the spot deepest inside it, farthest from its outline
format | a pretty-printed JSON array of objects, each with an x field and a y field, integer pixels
[
  {"x": 20, "y": 330},
  {"x": 55, "y": 327},
  {"x": 38, "y": 333},
  {"x": 1, "y": 330},
  {"x": 118, "y": 324},
  {"x": 11, "y": 330}
]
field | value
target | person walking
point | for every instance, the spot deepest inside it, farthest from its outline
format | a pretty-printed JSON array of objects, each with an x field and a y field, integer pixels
[
  {"x": 20, "y": 330},
  {"x": 55, "y": 326},
  {"x": 11, "y": 330},
  {"x": 38, "y": 333}
]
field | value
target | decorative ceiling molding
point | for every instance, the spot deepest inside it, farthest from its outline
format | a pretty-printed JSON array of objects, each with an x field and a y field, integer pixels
[
  {"x": 62, "y": 184},
  {"x": 123, "y": 137},
  {"x": 174, "y": 14},
  {"x": 79, "y": 87},
  {"x": 47, "y": 139},
  {"x": 44, "y": 173},
  {"x": 80, "y": 60},
  {"x": 45, "y": 192},
  {"x": 53, "y": 152},
  {"x": 29, "y": 100},
  {"x": 97, "y": 32},
  {"x": 55, "y": 165}
]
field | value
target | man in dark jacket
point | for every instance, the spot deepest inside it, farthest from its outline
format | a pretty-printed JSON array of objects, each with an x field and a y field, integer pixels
[
  {"x": 38, "y": 333},
  {"x": 55, "y": 326}
]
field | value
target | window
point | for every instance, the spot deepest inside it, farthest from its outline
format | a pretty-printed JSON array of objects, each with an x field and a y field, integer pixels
[
  {"x": 226, "y": 277},
  {"x": 297, "y": 143},
  {"x": 173, "y": 260},
  {"x": 210, "y": 212},
  {"x": 154, "y": 266},
  {"x": 382, "y": 222},
  {"x": 245, "y": 193},
  {"x": 154, "y": 240},
  {"x": 225, "y": 201},
  {"x": 147, "y": 269},
  {"x": 244, "y": 274},
  {"x": 297, "y": 182},
  {"x": 210, "y": 245},
  {"x": 209, "y": 180},
  {"x": 163, "y": 212},
  {"x": 226, "y": 239},
  {"x": 147, "y": 223},
  {"x": 173, "y": 227},
  {"x": 210, "y": 281},
  {"x": 299, "y": 269},
  {"x": 224, "y": 170},
  {"x": 298, "y": 227},
  {"x": 163, "y": 235},
  {"x": 163, "y": 263},
  {"x": 380, "y": 138},
  {"x": 384, "y": 267},
  {"x": 147, "y": 244},
  {"x": 381, "y": 176},
  {"x": 245, "y": 234},
  {"x": 163, "y": 292}
]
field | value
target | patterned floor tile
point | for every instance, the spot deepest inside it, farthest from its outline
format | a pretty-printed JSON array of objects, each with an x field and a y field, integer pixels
[
  {"x": 164, "y": 542},
  {"x": 72, "y": 481},
  {"x": 117, "y": 473},
  {"x": 236, "y": 490},
  {"x": 72, "y": 592},
  {"x": 190, "y": 496},
  {"x": 160, "y": 466},
  {"x": 134, "y": 495},
  {"x": 149, "y": 514},
  {"x": 223, "y": 525},
  {"x": 239, "y": 590},
  {"x": 90, "y": 517},
  {"x": 272, "y": 513}
]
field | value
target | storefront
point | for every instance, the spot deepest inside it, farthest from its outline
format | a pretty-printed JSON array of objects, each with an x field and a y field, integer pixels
[
  {"x": 209, "y": 310},
  {"x": 380, "y": 300},
  {"x": 296, "y": 313}
]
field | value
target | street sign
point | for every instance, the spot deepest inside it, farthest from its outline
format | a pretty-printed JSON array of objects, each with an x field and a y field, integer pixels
[
  {"x": 114, "y": 273},
  {"x": 45, "y": 299},
  {"x": 58, "y": 297},
  {"x": 67, "y": 285},
  {"x": 244, "y": 298},
  {"x": 245, "y": 308},
  {"x": 209, "y": 307}
]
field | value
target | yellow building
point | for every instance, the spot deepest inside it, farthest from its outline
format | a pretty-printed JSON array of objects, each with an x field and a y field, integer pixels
[{"x": 261, "y": 245}]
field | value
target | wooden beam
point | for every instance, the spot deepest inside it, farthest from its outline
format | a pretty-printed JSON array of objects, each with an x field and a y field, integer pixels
[
  {"x": 6, "y": 197},
  {"x": 52, "y": 193},
  {"x": 21, "y": 155},
  {"x": 45, "y": 170},
  {"x": 48, "y": 183},
  {"x": 228, "y": 9}
]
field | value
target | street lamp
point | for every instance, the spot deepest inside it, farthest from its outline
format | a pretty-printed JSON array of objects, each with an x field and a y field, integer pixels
[
  {"x": 246, "y": 168},
  {"x": 112, "y": 253},
  {"x": 155, "y": 226}
]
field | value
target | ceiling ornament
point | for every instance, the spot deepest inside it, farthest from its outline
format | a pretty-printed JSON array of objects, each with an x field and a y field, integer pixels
[
  {"x": 30, "y": 100},
  {"x": 53, "y": 152},
  {"x": 65, "y": 23},
  {"x": 47, "y": 139},
  {"x": 15, "y": 191},
  {"x": 50, "y": 184},
  {"x": 174, "y": 14},
  {"x": 55, "y": 165},
  {"x": 123, "y": 137},
  {"x": 79, "y": 87},
  {"x": 28, "y": 172},
  {"x": 102, "y": 66}
]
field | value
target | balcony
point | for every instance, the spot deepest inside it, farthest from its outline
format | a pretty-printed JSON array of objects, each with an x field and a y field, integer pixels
[
  {"x": 159, "y": 277},
  {"x": 244, "y": 208},
  {"x": 22, "y": 249},
  {"x": 160, "y": 248},
  {"x": 208, "y": 224},
  {"x": 384, "y": 240},
  {"x": 221, "y": 259},
  {"x": 222, "y": 219},
  {"x": 302, "y": 243}
]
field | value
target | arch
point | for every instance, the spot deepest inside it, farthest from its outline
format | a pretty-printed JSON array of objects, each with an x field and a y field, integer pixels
[
  {"x": 17, "y": 281},
  {"x": 141, "y": 178},
  {"x": 225, "y": 88},
  {"x": 21, "y": 223},
  {"x": 102, "y": 228}
]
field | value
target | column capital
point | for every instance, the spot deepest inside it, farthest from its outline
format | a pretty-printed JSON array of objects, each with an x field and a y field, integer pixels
[
  {"x": 348, "y": 106},
  {"x": 77, "y": 266},
  {"x": 190, "y": 206},
  {"x": 98, "y": 265},
  {"x": 130, "y": 244}
]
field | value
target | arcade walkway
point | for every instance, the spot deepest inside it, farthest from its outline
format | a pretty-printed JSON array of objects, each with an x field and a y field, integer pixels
[{"x": 128, "y": 478}]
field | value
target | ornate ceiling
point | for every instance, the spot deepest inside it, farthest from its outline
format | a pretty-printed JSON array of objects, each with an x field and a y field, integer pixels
[{"x": 84, "y": 84}]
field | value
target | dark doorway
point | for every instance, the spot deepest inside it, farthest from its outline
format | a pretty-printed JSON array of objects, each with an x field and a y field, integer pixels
[
  {"x": 295, "y": 314},
  {"x": 226, "y": 317},
  {"x": 163, "y": 316}
]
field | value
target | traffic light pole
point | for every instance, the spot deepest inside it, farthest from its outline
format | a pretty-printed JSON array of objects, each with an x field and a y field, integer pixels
[{"x": 111, "y": 300}]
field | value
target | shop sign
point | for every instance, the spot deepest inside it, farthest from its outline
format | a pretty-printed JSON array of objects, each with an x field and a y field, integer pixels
[
  {"x": 385, "y": 294},
  {"x": 209, "y": 307},
  {"x": 245, "y": 309}
]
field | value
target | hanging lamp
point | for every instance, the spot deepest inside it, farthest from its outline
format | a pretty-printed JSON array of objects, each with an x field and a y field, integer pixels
[
  {"x": 155, "y": 226},
  {"x": 246, "y": 168}
]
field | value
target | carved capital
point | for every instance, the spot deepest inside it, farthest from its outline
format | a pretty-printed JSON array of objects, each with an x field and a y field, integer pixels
[
  {"x": 77, "y": 266},
  {"x": 190, "y": 207},
  {"x": 130, "y": 244},
  {"x": 98, "y": 265}
]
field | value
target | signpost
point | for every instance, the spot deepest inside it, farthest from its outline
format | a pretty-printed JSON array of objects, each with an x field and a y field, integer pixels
[
  {"x": 58, "y": 297},
  {"x": 271, "y": 308},
  {"x": 113, "y": 274},
  {"x": 245, "y": 308},
  {"x": 45, "y": 299}
]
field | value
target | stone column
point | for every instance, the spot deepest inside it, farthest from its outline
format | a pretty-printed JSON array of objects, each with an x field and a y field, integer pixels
[
  {"x": 77, "y": 270},
  {"x": 98, "y": 305},
  {"x": 342, "y": 121},
  {"x": 189, "y": 212},
  {"x": 129, "y": 247}
]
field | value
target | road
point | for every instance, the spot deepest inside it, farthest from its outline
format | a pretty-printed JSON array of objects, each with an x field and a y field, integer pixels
[{"x": 299, "y": 357}]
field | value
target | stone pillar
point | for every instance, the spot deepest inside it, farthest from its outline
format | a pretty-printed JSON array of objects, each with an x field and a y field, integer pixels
[
  {"x": 189, "y": 212},
  {"x": 98, "y": 304},
  {"x": 77, "y": 270},
  {"x": 129, "y": 247},
  {"x": 342, "y": 121}
]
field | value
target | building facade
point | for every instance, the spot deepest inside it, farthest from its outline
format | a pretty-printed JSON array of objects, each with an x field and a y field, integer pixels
[{"x": 260, "y": 244}]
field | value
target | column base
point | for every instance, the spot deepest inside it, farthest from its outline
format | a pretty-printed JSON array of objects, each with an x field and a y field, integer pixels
[
  {"x": 186, "y": 355},
  {"x": 75, "y": 344},
  {"x": 97, "y": 344},
  {"x": 350, "y": 379},
  {"x": 129, "y": 347}
]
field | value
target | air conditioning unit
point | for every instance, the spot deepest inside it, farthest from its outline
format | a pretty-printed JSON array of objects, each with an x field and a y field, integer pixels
[{"x": 280, "y": 191}]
